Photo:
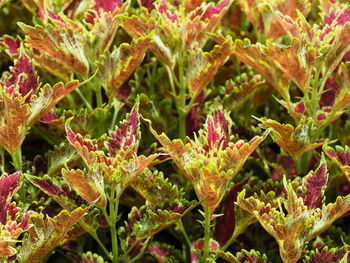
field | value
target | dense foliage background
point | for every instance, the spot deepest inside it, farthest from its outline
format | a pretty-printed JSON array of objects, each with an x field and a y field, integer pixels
[{"x": 174, "y": 131}]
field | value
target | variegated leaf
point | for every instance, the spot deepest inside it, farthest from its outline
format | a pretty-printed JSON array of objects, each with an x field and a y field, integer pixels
[
  {"x": 340, "y": 156},
  {"x": 202, "y": 67},
  {"x": 116, "y": 67},
  {"x": 89, "y": 186},
  {"x": 48, "y": 233},
  {"x": 65, "y": 45},
  {"x": 294, "y": 141}
]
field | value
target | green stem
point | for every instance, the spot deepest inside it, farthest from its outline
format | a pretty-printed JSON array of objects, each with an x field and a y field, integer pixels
[
  {"x": 139, "y": 256},
  {"x": 95, "y": 236},
  {"x": 230, "y": 241},
  {"x": 182, "y": 102},
  {"x": 17, "y": 159},
  {"x": 114, "y": 243},
  {"x": 117, "y": 105},
  {"x": 171, "y": 79},
  {"x": 99, "y": 98},
  {"x": 206, "y": 235},
  {"x": 2, "y": 157},
  {"x": 128, "y": 251},
  {"x": 181, "y": 226},
  {"x": 113, "y": 216},
  {"x": 87, "y": 104}
]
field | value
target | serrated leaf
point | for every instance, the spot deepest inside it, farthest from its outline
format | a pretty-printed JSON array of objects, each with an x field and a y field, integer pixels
[
  {"x": 210, "y": 161},
  {"x": 261, "y": 14},
  {"x": 315, "y": 184},
  {"x": 48, "y": 97},
  {"x": 253, "y": 56},
  {"x": 202, "y": 67},
  {"x": 65, "y": 45},
  {"x": 278, "y": 63},
  {"x": 116, "y": 67},
  {"x": 325, "y": 255},
  {"x": 126, "y": 137},
  {"x": 13, "y": 126},
  {"x": 165, "y": 253},
  {"x": 298, "y": 223},
  {"x": 243, "y": 256},
  {"x": 47, "y": 233},
  {"x": 89, "y": 186},
  {"x": 90, "y": 257},
  {"x": 11, "y": 45},
  {"x": 61, "y": 156},
  {"x": 340, "y": 156},
  {"x": 157, "y": 190},
  {"x": 12, "y": 222},
  {"x": 198, "y": 247},
  {"x": 294, "y": 141}
]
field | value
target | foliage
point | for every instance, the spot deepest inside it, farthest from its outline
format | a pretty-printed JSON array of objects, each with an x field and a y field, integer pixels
[{"x": 174, "y": 131}]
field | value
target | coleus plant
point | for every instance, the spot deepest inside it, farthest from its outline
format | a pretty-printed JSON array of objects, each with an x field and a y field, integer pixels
[{"x": 174, "y": 131}]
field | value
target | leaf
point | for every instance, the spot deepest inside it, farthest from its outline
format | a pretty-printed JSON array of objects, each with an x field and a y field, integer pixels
[
  {"x": 340, "y": 156},
  {"x": 144, "y": 25},
  {"x": 202, "y": 67},
  {"x": 255, "y": 57},
  {"x": 90, "y": 257},
  {"x": 294, "y": 141},
  {"x": 314, "y": 185},
  {"x": 13, "y": 126},
  {"x": 49, "y": 97},
  {"x": 89, "y": 186},
  {"x": 48, "y": 233},
  {"x": 295, "y": 62},
  {"x": 59, "y": 192},
  {"x": 298, "y": 223},
  {"x": 11, "y": 45},
  {"x": 153, "y": 221},
  {"x": 127, "y": 135},
  {"x": 157, "y": 190},
  {"x": 12, "y": 222},
  {"x": 165, "y": 253},
  {"x": 243, "y": 256},
  {"x": 325, "y": 255},
  {"x": 65, "y": 45},
  {"x": 210, "y": 169},
  {"x": 116, "y": 67},
  {"x": 105, "y": 23},
  {"x": 62, "y": 155},
  {"x": 67, "y": 199},
  {"x": 89, "y": 150},
  {"x": 198, "y": 247},
  {"x": 261, "y": 14},
  {"x": 233, "y": 217}
]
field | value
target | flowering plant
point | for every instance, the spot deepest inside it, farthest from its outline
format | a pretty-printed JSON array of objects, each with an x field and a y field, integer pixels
[{"x": 174, "y": 131}]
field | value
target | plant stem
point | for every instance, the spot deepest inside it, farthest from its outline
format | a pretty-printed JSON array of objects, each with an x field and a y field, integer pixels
[
  {"x": 99, "y": 101},
  {"x": 113, "y": 215},
  {"x": 87, "y": 104},
  {"x": 117, "y": 105},
  {"x": 171, "y": 79},
  {"x": 2, "y": 157},
  {"x": 181, "y": 226},
  {"x": 182, "y": 102},
  {"x": 17, "y": 159},
  {"x": 229, "y": 242},
  {"x": 114, "y": 243},
  {"x": 206, "y": 235},
  {"x": 94, "y": 235}
]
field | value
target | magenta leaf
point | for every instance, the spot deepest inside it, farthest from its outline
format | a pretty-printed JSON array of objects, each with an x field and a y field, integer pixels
[
  {"x": 127, "y": 135},
  {"x": 315, "y": 184},
  {"x": 11, "y": 45}
]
